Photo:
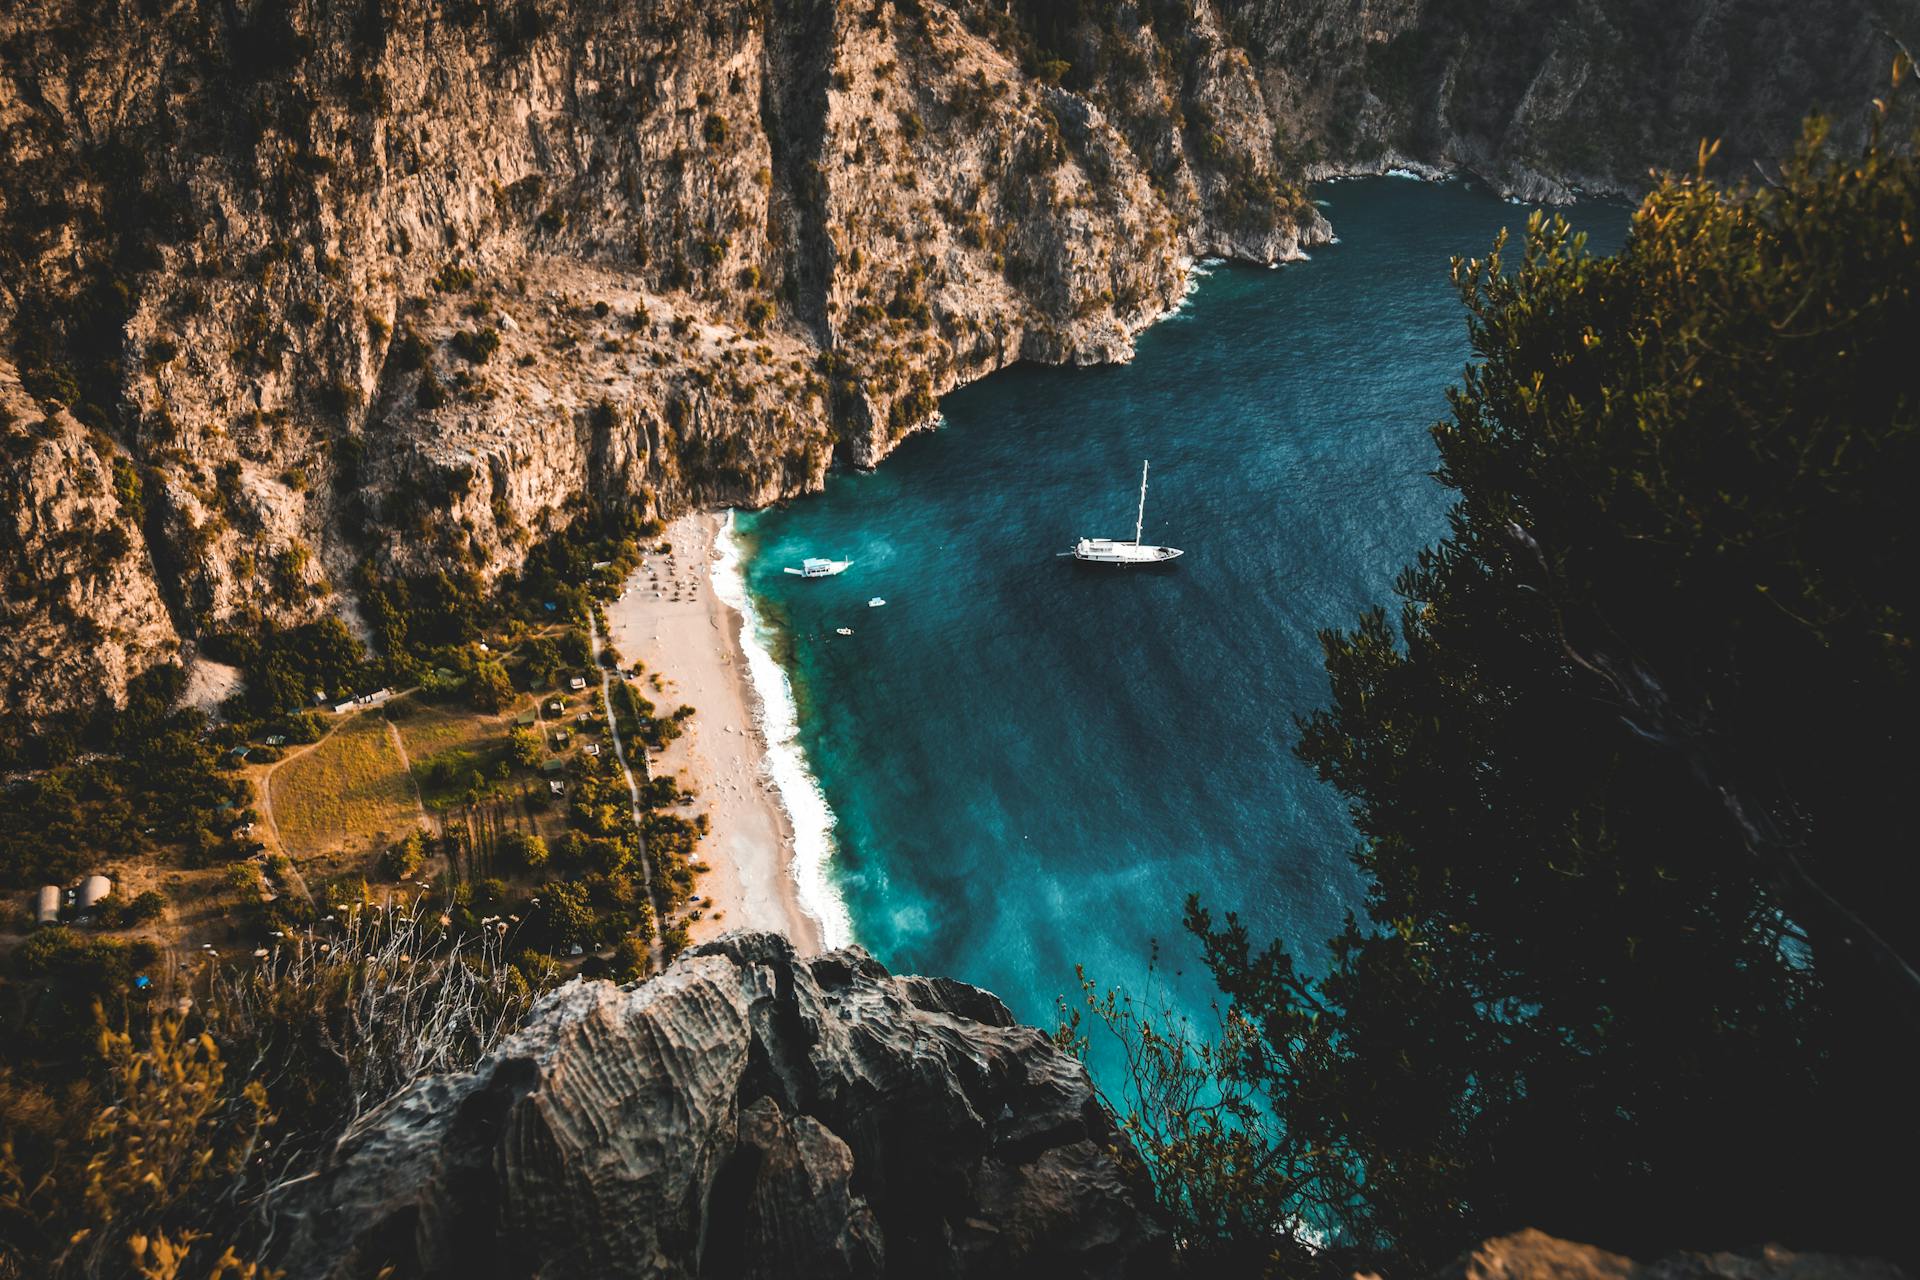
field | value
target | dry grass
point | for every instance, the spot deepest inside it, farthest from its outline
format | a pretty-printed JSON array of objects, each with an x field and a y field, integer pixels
[
  {"x": 429, "y": 730},
  {"x": 350, "y": 792}
]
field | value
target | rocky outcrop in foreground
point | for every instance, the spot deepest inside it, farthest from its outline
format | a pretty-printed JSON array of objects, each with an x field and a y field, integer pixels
[
  {"x": 748, "y": 1114},
  {"x": 1534, "y": 1255}
]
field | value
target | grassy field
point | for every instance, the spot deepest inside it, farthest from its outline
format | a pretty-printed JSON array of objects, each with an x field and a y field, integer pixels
[
  {"x": 351, "y": 792},
  {"x": 448, "y": 745}
]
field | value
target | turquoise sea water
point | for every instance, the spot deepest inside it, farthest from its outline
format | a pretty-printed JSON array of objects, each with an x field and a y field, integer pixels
[{"x": 1030, "y": 763}]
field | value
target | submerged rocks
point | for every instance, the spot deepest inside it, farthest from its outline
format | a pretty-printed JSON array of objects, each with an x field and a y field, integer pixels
[{"x": 747, "y": 1113}]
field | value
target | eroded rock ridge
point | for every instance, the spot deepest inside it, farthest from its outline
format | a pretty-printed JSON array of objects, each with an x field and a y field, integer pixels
[{"x": 745, "y": 1114}]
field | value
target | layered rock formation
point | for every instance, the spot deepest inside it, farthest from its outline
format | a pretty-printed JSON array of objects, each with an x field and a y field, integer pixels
[
  {"x": 404, "y": 281},
  {"x": 745, "y": 1114}
]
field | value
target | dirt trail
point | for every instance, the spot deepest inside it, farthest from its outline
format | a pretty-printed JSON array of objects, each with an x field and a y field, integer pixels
[
  {"x": 655, "y": 952},
  {"x": 406, "y": 762}
]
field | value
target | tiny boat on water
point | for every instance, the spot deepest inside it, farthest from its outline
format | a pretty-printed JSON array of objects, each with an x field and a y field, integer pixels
[
  {"x": 875, "y": 603},
  {"x": 843, "y": 631}
]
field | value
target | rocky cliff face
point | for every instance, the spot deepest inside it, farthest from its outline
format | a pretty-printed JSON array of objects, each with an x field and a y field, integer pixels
[
  {"x": 404, "y": 281},
  {"x": 745, "y": 1114},
  {"x": 82, "y": 611}
]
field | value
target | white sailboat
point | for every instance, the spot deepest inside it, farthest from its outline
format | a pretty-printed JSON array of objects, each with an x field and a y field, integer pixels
[
  {"x": 813, "y": 567},
  {"x": 1108, "y": 551}
]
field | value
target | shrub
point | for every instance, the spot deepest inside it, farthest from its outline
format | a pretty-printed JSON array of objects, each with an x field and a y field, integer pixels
[
  {"x": 478, "y": 345},
  {"x": 403, "y": 861}
]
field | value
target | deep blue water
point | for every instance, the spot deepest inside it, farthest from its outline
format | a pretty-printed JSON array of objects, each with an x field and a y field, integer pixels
[{"x": 1032, "y": 763}]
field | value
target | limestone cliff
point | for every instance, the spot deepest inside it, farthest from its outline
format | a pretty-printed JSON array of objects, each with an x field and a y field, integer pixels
[
  {"x": 405, "y": 280},
  {"x": 745, "y": 1114},
  {"x": 82, "y": 610}
]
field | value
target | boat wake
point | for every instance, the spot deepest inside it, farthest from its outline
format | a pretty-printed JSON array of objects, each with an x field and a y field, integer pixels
[{"x": 778, "y": 721}]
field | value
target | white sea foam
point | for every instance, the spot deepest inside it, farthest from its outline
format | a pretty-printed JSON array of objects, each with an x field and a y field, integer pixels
[{"x": 786, "y": 762}]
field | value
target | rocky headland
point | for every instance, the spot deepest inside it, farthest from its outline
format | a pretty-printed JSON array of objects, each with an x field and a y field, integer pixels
[
  {"x": 293, "y": 292},
  {"x": 746, "y": 1113}
]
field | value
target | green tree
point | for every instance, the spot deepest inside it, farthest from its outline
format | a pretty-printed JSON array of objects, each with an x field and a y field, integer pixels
[
  {"x": 490, "y": 687},
  {"x": 404, "y": 860},
  {"x": 629, "y": 960},
  {"x": 523, "y": 745},
  {"x": 1637, "y": 958}
]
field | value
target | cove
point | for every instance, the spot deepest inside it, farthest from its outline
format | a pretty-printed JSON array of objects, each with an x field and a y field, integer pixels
[{"x": 1031, "y": 764}]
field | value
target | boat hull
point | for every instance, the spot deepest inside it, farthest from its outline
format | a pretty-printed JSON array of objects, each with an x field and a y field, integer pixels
[{"x": 1122, "y": 554}]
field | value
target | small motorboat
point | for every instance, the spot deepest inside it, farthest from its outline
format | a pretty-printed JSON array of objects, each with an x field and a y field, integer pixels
[
  {"x": 813, "y": 567},
  {"x": 875, "y": 603},
  {"x": 843, "y": 631}
]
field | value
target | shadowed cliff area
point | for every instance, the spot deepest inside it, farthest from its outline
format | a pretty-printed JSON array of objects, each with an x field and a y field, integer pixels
[{"x": 377, "y": 286}]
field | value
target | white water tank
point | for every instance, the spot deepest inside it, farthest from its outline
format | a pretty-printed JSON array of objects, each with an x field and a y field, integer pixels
[{"x": 92, "y": 889}]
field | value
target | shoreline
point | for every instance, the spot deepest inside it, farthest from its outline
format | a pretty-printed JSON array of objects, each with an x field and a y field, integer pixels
[{"x": 671, "y": 618}]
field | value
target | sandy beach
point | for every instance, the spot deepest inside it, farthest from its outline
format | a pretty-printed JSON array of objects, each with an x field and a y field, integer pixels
[{"x": 670, "y": 620}]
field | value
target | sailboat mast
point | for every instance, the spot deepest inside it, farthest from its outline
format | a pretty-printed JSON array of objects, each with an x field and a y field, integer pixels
[{"x": 1140, "y": 518}]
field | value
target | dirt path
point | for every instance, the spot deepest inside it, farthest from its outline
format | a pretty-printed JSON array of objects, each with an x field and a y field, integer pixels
[
  {"x": 406, "y": 762},
  {"x": 655, "y": 952},
  {"x": 263, "y": 787},
  {"x": 263, "y": 783}
]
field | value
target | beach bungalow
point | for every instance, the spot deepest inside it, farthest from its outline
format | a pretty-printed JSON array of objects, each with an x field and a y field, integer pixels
[
  {"x": 524, "y": 720},
  {"x": 552, "y": 765},
  {"x": 557, "y": 787},
  {"x": 591, "y": 749},
  {"x": 561, "y": 737},
  {"x": 577, "y": 683},
  {"x": 556, "y": 707},
  {"x": 47, "y": 911}
]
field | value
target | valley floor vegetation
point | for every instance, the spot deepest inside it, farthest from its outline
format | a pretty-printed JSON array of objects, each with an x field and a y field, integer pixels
[
  {"x": 1637, "y": 964},
  {"x": 360, "y": 873}
]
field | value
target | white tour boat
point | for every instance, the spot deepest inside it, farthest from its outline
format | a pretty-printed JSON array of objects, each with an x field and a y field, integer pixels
[
  {"x": 1108, "y": 551},
  {"x": 812, "y": 567}
]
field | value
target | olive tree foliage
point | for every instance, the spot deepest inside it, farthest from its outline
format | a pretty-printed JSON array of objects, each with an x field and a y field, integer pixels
[{"x": 1637, "y": 961}]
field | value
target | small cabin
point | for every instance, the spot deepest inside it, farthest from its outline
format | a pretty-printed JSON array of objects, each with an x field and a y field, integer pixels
[
  {"x": 591, "y": 749},
  {"x": 552, "y": 765},
  {"x": 558, "y": 788},
  {"x": 47, "y": 910},
  {"x": 577, "y": 683},
  {"x": 524, "y": 720}
]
